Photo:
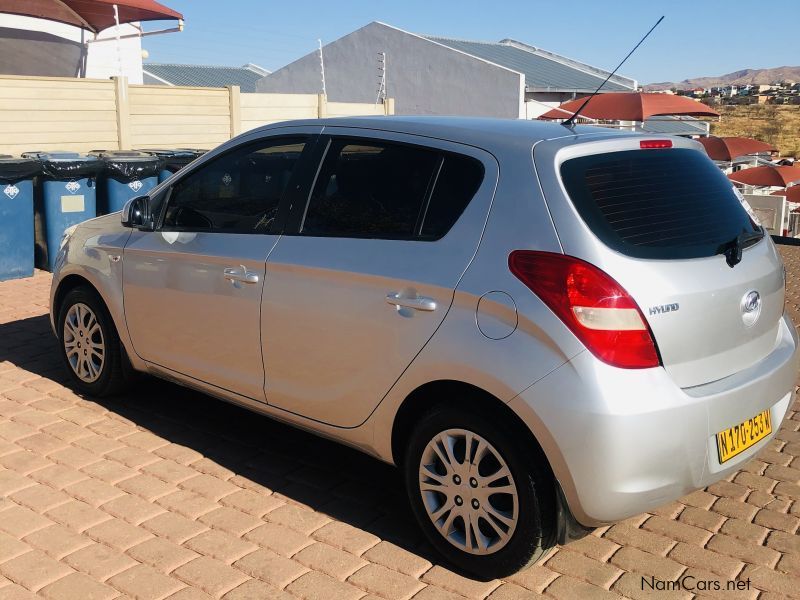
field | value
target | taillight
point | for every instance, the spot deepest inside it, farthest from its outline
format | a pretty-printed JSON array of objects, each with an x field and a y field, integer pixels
[
  {"x": 651, "y": 144},
  {"x": 596, "y": 308}
]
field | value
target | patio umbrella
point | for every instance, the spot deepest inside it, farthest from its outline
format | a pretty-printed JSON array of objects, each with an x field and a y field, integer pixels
[
  {"x": 792, "y": 193},
  {"x": 631, "y": 106},
  {"x": 767, "y": 176},
  {"x": 728, "y": 148},
  {"x": 94, "y": 15}
]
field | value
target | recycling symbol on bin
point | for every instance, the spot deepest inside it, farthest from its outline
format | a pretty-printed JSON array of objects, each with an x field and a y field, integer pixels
[
  {"x": 135, "y": 185},
  {"x": 226, "y": 179},
  {"x": 11, "y": 191},
  {"x": 73, "y": 186}
]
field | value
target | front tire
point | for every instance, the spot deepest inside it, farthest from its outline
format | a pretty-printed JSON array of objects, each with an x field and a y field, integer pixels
[
  {"x": 479, "y": 495},
  {"x": 89, "y": 344}
]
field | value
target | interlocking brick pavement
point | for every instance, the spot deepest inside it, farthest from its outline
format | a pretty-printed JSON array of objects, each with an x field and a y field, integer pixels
[{"x": 166, "y": 493}]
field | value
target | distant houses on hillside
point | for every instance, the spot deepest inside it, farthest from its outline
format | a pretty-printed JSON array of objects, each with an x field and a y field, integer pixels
[{"x": 782, "y": 92}]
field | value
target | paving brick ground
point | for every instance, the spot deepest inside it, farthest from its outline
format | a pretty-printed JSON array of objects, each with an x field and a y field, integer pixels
[{"x": 166, "y": 493}]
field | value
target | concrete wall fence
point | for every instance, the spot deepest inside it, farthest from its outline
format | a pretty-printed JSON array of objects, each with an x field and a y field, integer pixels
[{"x": 59, "y": 113}]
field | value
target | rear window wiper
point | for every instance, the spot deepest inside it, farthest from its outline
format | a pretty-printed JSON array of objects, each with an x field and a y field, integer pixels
[{"x": 733, "y": 249}]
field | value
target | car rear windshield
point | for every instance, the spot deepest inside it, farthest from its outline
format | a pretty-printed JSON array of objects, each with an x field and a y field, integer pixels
[{"x": 663, "y": 204}]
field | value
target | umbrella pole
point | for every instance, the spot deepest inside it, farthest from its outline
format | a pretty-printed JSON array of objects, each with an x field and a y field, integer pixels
[
  {"x": 119, "y": 50},
  {"x": 84, "y": 54}
]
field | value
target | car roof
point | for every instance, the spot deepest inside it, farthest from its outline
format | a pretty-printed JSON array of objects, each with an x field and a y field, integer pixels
[{"x": 477, "y": 131}]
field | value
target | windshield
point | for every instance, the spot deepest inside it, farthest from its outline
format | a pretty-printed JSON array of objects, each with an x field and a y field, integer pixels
[{"x": 662, "y": 204}]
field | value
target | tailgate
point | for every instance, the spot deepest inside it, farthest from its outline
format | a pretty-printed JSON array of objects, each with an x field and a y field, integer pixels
[{"x": 657, "y": 221}]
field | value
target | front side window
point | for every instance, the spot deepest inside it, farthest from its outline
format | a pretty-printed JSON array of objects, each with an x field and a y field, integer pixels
[
  {"x": 371, "y": 189},
  {"x": 238, "y": 192}
]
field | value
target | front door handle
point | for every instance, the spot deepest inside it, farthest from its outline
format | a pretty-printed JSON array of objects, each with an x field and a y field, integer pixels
[
  {"x": 241, "y": 274},
  {"x": 418, "y": 303}
]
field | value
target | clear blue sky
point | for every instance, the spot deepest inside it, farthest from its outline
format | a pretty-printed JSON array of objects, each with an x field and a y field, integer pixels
[{"x": 697, "y": 38}]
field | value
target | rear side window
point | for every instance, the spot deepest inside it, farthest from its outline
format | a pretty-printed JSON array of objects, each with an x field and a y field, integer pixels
[
  {"x": 384, "y": 190},
  {"x": 662, "y": 204}
]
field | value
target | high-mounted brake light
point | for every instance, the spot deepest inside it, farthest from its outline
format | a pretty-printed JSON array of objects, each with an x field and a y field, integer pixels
[
  {"x": 650, "y": 144},
  {"x": 596, "y": 308}
]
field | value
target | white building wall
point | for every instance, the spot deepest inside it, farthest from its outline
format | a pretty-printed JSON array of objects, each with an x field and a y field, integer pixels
[
  {"x": 423, "y": 76},
  {"x": 104, "y": 59},
  {"x": 109, "y": 58},
  {"x": 538, "y": 103}
]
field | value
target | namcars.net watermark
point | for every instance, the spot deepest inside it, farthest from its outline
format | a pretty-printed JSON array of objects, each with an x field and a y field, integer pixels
[{"x": 690, "y": 583}]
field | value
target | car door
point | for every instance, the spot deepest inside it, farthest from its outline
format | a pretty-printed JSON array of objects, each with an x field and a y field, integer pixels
[
  {"x": 192, "y": 288},
  {"x": 367, "y": 268}
]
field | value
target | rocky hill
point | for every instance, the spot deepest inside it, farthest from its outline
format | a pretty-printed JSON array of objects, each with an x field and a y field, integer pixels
[{"x": 743, "y": 77}]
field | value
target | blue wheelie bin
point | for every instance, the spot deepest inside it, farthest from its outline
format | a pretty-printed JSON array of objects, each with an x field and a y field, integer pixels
[
  {"x": 174, "y": 160},
  {"x": 16, "y": 216},
  {"x": 126, "y": 174},
  {"x": 66, "y": 195}
]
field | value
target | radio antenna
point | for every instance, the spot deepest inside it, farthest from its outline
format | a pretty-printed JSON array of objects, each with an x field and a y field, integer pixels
[{"x": 571, "y": 121}]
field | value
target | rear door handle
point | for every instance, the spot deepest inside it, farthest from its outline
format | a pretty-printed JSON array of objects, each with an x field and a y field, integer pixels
[
  {"x": 241, "y": 274},
  {"x": 418, "y": 303}
]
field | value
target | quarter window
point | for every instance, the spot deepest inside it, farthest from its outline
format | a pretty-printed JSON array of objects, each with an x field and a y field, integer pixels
[
  {"x": 456, "y": 184},
  {"x": 238, "y": 192}
]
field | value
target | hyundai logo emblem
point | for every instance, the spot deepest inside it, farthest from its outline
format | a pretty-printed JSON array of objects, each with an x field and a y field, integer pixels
[{"x": 751, "y": 308}]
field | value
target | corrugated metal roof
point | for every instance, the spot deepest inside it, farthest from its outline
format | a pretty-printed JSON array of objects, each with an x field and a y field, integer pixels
[
  {"x": 203, "y": 75},
  {"x": 544, "y": 71},
  {"x": 674, "y": 126}
]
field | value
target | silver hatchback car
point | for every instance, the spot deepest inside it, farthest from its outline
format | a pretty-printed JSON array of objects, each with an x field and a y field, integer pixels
[{"x": 546, "y": 328}]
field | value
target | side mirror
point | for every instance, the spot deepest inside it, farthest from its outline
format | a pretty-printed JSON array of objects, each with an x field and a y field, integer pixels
[{"x": 136, "y": 213}]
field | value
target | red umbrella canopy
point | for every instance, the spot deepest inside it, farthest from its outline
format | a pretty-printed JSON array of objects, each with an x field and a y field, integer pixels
[
  {"x": 94, "y": 15},
  {"x": 792, "y": 193},
  {"x": 631, "y": 106},
  {"x": 728, "y": 148},
  {"x": 766, "y": 175}
]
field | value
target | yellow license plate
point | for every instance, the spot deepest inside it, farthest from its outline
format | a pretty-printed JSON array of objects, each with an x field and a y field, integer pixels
[{"x": 739, "y": 438}]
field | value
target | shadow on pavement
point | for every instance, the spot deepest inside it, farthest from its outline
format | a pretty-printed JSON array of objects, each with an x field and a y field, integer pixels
[{"x": 327, "y": 477}]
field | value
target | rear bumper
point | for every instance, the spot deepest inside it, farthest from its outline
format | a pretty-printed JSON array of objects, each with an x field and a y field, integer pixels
[{"x": 622, "y": 442}]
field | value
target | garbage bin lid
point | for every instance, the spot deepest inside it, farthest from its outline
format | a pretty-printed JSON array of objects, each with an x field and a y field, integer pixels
[
  {"x": 54, "y": 155},
  {"x": 60, "y": 165},
  {"x": 14, "y": 169},
  {"x": 131, "y": 164},
  {"x": 126, "y": 155},
  {"x": 197, "y": 151},
  {"x": 171, "y": 153}
]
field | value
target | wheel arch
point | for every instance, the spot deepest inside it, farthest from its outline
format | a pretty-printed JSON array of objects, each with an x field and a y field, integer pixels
[
  {"x": 461, "y": 395},
  {"x": 66, "y": 285},
  {"x": 465, "y": 395},
  {"x": 75, "y": 280}
]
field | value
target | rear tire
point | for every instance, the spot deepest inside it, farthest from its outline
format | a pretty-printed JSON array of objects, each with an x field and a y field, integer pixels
[
  {"x": 89, "y": 344},
  {"x": 486, "y": 534}
]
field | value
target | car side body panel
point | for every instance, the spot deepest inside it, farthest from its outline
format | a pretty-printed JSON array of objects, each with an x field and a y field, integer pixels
[
  {"x": 332, "y": 344},
  {"x": 184, "y": 315},
  {"x": 535, "y": 343}
]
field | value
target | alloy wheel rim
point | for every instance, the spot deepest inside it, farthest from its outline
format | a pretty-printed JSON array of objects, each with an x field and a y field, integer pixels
[
  {"x": 468, "y": 491},
  {"x": 84, "y": 344}
]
